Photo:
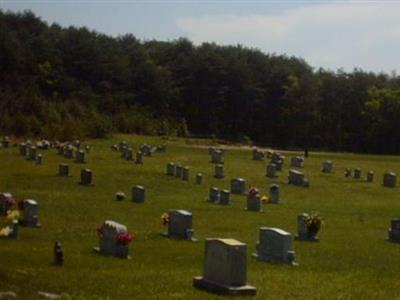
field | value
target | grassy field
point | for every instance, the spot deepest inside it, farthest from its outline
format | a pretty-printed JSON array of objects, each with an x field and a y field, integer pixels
[{"x": 353, "y": 260}]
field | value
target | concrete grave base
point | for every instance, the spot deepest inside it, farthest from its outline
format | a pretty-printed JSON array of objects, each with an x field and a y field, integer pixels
[
  {"x": 213, "y": 287},
  {"x": 165, "y": 234},
  {"x": 97, "y": 250}
]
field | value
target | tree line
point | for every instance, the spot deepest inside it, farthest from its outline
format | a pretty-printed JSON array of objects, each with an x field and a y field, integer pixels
[{"x": 71, "y": 82}]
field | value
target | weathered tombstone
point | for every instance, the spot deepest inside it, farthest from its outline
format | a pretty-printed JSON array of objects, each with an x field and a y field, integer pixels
[
  {"x": 274, "y": 193},
  {"x": 185, "y": 173},
  {"x": 394, "y": 230},
  {"x": 129, "y": 154},
  {"x": 254, "y": 201},
  {"x": 30, "y": 213},
  {"x": 170, "y": 169},
  {"x": 213, "y": 195},
  {"x": 370, "y": 176},
  {"x": 180, "y": 225},
  {"x": 224, "y": 197},
  {"x": 258, "y": 154},
  {"x": 219, "y": 171},
  {"x": 297, "y": 178},
  {"x": 275, "y": 245},
  {"x": 138, "y": 194},
  {"x": 225, "y": 269},
  {"x": 199, "y": 178},
  {"x": 139, "y": 158},
  {"x": 389, "y": 179},
  {"x": 32, "y": 153},
  {"x": 304, "y": 232},
  {"x": 327, "y": 166},
  {"x": 58, "y": 254},
  {"x": 120, "y": 196},
  {"x": 238, "y": 186},
  {"x": 39, "y": 159},
  {"x": 145, "y": 149},
  {"x": 63, "y": 169},
  {"x": 110, "y": 240},
  {"x": 217, "y": 157},
  {"x": 357, "y": 173},
  {"x": 14, "y": 230},
  {"x": 22, "y": 149},
  {"x": 271, "y": 170},
  {"x": 5, "y": 142},
  {"x": 86, "y": 177},
  {"x": 178, "y": 171},
  {"x": 297, "y": 162},
  {"x": 347, "y": 172},
  {"x": 6, "y": 203},
  {"x": 68, "y": 151}
]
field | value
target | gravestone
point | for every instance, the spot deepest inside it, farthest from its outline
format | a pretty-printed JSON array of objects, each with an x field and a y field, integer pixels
[
  {"x": 303, "y": 232},
  {"x": 63, "y": 169},
  {"x": 297, "y": 162},
  {"x": 139, "y": 158},
  {"x": 170, "y": 169},
  {"x": 69, "y": 152},
  {"x": 119, "y": 196},
  {"x": 213, "y": 195},
  {"x": 224, "y": 197},
  {"x": 271, "y": 170},
  {"x": 274, "y": 193},
  {"x": 297, "y": 178},
  {"x": 6, "y": 203},
  {"x": 370, "y": 176},
  {"x": 389, "y": 179},
  {"x": 87, "y": 149},
  {"x": 109, "y": 245},
  {"x": 217, "y": 157},
  {"x": 347, "y": 172},
  {"x": 274, "y": 245},
  {"x": 180, "y": 225},
  {"x": 199, "y": 178},
  {"x": 14, "y": 230},
  {"x": 145, "y": 149},
  {"x": 39, "y": 159},
  {"x": 225, "y": 268},
  {"x": 394, "y": 230},
  {"x": 238, "y": 186},
  {"x": 219, "y": 171},
  {"x": 58, "y": 254},
  {"x": 254, "y": 201},
  {"x": 129, "y": 154},
  {"x": 178, "y": 171},
  {"x": 32, "y": 153},
  {"x": 5, "y": 142},
  {"x": 22, "y": 149},
  {"x": 30, "y": 213},
  {"x": 138, "y": 194},
  {"x": 269, "y": 153},
  {"x": 327, "y": 166},
  {"x": 258, "y": 154},
  {"x": 185, "y": 173},
  {"x": 86, "y": 177},
  {"x": 357, "y": 173}
]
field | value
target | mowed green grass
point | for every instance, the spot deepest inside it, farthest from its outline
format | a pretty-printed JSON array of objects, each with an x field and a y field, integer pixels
[{"x": 353, "y": 259}]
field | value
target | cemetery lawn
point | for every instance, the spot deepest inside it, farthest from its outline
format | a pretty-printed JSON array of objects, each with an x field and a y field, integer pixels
[{"x": 353, "y": 259}]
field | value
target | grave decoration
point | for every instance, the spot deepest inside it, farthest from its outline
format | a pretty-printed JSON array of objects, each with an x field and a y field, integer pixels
[
  {"x": 114, "y": 239},
  {"x": 308, "y": 227}
]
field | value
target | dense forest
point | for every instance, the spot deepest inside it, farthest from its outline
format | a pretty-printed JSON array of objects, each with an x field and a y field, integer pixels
[{"x": 73, "y": 82}]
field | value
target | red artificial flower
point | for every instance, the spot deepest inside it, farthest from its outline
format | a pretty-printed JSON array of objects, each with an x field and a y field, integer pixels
[{"x": 124, "y": 238}]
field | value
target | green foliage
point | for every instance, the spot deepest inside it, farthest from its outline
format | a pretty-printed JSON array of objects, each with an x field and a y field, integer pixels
[{"x": 51, "y": 75}]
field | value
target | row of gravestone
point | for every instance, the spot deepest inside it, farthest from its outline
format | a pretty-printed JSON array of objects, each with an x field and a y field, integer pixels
[
  {"x": 225, "y": 259},
  {"x": 144, "y": 150}
]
